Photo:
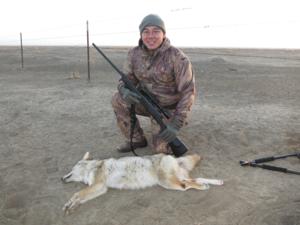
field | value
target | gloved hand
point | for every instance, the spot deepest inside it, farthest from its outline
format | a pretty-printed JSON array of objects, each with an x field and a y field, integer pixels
[
  {"x": 170, "y": 132},
  {"x": 129, "y": 96}
]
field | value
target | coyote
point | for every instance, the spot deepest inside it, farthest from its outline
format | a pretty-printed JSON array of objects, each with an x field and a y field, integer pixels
[{"x": 133, "y": 173}]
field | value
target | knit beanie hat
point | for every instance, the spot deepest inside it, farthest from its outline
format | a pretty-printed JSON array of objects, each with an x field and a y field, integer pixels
[{"x": 152, "y": 20}]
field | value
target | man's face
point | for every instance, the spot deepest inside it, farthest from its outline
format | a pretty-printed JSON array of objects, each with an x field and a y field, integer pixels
[{"x": 152, "y": 37}]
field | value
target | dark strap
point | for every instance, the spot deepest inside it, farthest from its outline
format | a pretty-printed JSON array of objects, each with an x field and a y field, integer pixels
[{"x": 133, "y": 120}]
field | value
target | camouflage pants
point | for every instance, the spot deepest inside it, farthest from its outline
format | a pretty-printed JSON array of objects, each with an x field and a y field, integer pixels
[{"x": 122, "y": 112}]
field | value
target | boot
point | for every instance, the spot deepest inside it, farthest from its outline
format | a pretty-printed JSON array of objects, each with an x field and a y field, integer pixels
[{"x": 127, "y": 148}]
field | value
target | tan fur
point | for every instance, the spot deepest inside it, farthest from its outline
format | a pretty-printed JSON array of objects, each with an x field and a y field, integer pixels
[{"x": 133, "y": 173}]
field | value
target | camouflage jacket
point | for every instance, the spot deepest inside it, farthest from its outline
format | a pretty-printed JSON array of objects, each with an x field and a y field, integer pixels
[{"x": 167, "y": 74}]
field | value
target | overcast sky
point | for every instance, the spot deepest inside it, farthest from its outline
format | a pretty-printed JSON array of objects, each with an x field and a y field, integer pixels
[{"x": 199, "y": 23}]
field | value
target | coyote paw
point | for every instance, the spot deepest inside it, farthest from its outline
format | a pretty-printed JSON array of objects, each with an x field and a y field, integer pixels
[
  {"x": 204, "y": 187},
  {"x": 73, "y": 203},
  {"x": 218, "y": 182},
  {"x": 210, "y": 181}
]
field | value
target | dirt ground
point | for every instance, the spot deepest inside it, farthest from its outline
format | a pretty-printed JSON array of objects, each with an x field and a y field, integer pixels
[{"x": 247, "y": 107}]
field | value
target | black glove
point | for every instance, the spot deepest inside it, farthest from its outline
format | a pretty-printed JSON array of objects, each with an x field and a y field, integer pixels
[
  {"x": 129, "y": 96},
  {"x": 170, "y": 132}
]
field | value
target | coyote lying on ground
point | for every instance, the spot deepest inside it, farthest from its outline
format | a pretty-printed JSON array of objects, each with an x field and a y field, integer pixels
[{"x": 133, "y": 173}]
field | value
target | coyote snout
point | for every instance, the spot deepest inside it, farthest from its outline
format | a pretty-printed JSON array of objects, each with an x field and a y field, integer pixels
[
  {"x": 66, "y": 179},
  {"x": 133, "y": 173}
]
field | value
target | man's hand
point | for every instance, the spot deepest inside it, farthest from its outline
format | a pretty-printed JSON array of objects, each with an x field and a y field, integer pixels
[
  {"x": 170, "y": 132},
  {"x": 129, "y": 96}
]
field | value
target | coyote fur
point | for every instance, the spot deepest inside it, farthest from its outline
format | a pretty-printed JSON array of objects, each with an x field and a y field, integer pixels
[{"x": 133, "y": 173}]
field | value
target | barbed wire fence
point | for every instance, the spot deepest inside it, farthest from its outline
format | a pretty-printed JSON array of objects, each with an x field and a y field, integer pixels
[
  {"x": 47, "y": 39},
  {"x": 43, "y": 39},
  {"x": 39, "y": 37}
]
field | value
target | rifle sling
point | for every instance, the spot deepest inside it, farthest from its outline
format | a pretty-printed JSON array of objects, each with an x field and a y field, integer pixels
[{"x": 133, "y": 120}]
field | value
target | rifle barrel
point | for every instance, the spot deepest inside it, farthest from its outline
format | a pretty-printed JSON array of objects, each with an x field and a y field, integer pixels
[{"x": 107, "y": 59}]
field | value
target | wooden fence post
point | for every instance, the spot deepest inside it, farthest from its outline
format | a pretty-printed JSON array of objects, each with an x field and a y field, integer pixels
[
  {"x": 22, "y": 58},
  {"x": 88, "y": 49}
]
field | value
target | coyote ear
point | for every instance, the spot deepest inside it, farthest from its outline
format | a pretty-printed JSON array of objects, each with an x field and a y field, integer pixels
[{"x": 86, "y": 156}]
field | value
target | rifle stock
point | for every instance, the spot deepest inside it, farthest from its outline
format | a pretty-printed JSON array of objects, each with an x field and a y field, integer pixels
[{"x": 177, "y": 146}]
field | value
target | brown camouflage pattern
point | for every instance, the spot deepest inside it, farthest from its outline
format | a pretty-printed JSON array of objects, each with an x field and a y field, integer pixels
[{"x": 167, "y": 74}]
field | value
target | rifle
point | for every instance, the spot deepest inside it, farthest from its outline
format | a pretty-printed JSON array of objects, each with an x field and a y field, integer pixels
[{"x": 177, "y": 146}]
